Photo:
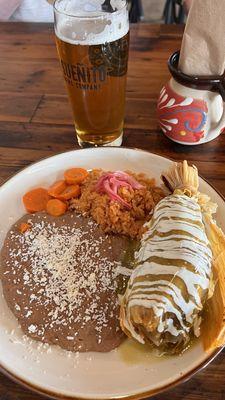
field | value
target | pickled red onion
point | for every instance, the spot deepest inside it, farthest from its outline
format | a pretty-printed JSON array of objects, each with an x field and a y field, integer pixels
[
  {"x": 110, "y": 183},
  {"x": 123, "y": 176}
]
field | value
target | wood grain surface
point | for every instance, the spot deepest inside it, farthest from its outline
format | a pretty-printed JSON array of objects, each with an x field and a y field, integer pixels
[{"x": 36, "y": 122}]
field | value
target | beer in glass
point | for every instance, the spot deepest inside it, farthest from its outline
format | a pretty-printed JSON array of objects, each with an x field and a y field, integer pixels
[{"x": 92, "y": 38}]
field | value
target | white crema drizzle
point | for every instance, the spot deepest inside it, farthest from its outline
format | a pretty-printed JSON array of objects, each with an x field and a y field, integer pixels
[{"x": 174, "y": 245}]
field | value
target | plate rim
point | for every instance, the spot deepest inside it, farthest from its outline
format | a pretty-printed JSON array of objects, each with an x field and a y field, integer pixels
[
  {"x": 59, "y": 396},
  {"x": 138, "y": 396}
]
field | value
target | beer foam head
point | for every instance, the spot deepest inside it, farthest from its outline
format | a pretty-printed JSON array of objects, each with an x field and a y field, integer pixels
[{"x": 87, "y": 22}]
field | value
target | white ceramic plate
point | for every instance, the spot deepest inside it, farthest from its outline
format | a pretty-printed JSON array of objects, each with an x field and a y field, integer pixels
[{"x": 125, "y": 372}]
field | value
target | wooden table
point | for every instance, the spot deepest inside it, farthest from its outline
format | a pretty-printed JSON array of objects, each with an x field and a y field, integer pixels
[{"x": 36, "y": 122}]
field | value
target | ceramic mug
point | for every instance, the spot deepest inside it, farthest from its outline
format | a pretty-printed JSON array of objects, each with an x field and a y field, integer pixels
[{"x": 191, "y": 110}]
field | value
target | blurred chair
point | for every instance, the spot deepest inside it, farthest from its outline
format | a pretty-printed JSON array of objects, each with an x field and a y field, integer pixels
[
  {"x": 136, "y": 10},
  {"x": 174, "y": 12}
]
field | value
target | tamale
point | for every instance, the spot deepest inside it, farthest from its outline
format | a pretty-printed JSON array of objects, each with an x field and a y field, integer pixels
[{"x": 173, "y": 277}]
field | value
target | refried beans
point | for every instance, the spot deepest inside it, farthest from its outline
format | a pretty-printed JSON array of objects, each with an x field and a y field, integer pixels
[{"x": 59, "y": 280}]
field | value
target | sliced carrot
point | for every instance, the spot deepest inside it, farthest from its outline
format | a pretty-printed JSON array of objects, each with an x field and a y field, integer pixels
[
  {"x": 24, "y": 227},
  {"x": 35, "y": 200},
  {"x": 70, "y": 192},
  {"x": 56, "y": 207},
  {"x": 57, "y": 188},
  {"x": 75, "y": 175}
]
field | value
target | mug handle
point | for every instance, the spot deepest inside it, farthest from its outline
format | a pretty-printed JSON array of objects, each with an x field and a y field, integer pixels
[
  {"x": 213, "y": 133},
  {"x": 219, "y": 88}
]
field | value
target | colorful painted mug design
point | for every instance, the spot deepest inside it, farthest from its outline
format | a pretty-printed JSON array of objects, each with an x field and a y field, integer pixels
[
  {"x": 187, "y": 112},
  {"x": 183, "y": 119}
]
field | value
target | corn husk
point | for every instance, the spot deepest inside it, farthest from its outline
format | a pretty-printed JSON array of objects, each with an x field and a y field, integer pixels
[
  {"x": 213, "y": 327},
  {"x": 182, "y": 178}
]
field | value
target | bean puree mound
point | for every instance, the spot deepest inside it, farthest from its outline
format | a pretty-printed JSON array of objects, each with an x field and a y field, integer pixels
[{"x": 59, "y": 280}]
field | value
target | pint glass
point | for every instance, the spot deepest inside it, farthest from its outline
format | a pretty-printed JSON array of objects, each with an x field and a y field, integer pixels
[{"x": 92, "y": 38}]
